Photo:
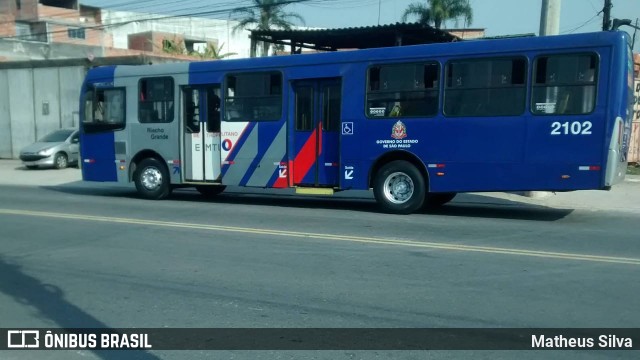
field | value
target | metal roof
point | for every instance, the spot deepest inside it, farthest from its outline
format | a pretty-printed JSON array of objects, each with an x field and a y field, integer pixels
[{"x": 356, "y": 37}]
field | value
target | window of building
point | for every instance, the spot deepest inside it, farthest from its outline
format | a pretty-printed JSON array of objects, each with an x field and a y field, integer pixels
[
  {"x": 104, "y": 109},
  {"x": 403, "y": 90},
  {"x": 37, "y": 31},
  {"x": 564, "y": 84},
  {"x": 156, "y": 100},
  {"x": 76, "y": 33},
  {"x": 485, "y": 87},
  {"x": 253, "y": 97}
]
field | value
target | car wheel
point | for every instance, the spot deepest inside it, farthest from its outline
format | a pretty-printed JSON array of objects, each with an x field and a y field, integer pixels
[
  {"x": 60, "y": 161},
  {"x": 435, "y": 200},
  {"x": 152, "y": 179},
  {"x": 399, "y": 187},
  {"x": 210, "y": 190}
]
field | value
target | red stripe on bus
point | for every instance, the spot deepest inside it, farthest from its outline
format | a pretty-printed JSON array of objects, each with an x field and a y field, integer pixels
[{"x": 305, "y": 159}]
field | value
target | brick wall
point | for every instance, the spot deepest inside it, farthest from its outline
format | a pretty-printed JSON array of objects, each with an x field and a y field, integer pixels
[
  {"x": 140, "y": 42},
  {"x": 158, "y": 56},
  {"x": 93, "y": 37},
  {"x": 152, "y": 41},
  {"x": 28, "y": 10},
  {"x": 66, "y": 15},
  {"x": 7, "y": 25}
]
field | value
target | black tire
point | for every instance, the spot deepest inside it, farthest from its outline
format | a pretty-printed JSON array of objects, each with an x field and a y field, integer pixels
[
  {"x": 32, "y": 167},
  {"x": 435, "y": 200},
  {"x": 152, "y": 179},
  {"x": 210, "y": 190},
  {"x": 60, "y": 161},
  {"x": 399, "y": 187}
]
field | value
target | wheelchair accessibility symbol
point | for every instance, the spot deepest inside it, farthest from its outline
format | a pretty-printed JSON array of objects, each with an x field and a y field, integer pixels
[{"x": 347, "y": 128}]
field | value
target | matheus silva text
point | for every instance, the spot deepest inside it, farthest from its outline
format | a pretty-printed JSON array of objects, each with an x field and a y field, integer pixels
[{"x": 602, "y": 342}]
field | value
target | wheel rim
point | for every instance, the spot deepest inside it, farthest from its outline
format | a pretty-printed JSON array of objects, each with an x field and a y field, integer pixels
[
  {"x": 61, "y": 161},
  {"x": 398, "y": 188},
  {"x": 151, "y": 178}
]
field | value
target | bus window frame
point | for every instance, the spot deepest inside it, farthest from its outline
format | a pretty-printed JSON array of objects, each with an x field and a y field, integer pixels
[
  {"x": 534, "y": 73},
  {"x": 224, "y": 97},
  {"x": 93, "y": 126},
  {"x": 525, "y": 85},
  {"x": 438, "y": 89},
  {"x": 173, "y": 99}
]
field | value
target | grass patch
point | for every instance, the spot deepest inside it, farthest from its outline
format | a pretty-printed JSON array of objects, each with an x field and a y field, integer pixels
[{"x": 633, "y": 170}]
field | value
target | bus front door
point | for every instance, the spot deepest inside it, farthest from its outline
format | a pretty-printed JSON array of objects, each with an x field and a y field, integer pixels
[
  {"x": 201, "y": 129},
  {"x": 317, "y": 107}
]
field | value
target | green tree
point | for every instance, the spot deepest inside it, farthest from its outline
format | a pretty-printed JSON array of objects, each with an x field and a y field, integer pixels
[
  {"x": 212, "y": 52},
  {"x": 266, "y": 15},
  {"x": 174, "y": 47},
  {"x": 436, "y": 12}
]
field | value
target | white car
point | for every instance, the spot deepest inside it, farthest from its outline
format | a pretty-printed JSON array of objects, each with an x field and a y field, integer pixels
[{"x": 58, "y": 149}]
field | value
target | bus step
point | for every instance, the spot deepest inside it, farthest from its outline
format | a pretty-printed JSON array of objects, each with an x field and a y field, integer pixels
[{"x": 314, "y": 191}]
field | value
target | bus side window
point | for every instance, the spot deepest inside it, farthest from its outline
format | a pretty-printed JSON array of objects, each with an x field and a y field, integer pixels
[
  {"x": 156, "y": 98},
  {"x": 402, "y": 90},
  {"x": 564, "y": 84}
]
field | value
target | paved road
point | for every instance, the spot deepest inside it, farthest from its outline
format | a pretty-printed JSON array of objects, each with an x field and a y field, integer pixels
[{"x": 74, "y": 256}]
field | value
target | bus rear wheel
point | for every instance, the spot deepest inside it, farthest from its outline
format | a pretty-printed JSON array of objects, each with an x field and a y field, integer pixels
[
  {"x": 210, "y": 190},
  {"x": 152, "y": 179},
  {"x": 435, "y": 200},
  {"x": 399, "y": 187}
]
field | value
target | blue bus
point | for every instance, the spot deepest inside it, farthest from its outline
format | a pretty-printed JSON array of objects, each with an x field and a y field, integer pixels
[{"x": 415, "y": 124}]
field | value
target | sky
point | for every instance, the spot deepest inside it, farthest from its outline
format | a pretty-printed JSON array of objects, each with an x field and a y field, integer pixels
[{"x": 498, "y": 17}]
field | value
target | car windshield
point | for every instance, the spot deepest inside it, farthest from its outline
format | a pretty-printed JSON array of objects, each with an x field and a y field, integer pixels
[{"x": 57, "y": 136}]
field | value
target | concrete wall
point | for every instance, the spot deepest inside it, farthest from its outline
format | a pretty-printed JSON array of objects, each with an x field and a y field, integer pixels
[
  {"x": 23, "y": 117},
  {"x": 13, "y": 50},
  {"x": 21, "y": 108},
  {"x": 71, "y": 80},
  {"x": 5, "y": 119}
]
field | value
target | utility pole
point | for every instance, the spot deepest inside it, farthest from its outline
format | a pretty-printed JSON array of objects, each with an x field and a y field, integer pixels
[
  {"x": 550, "y": 17},
  {"x": 633, "y": 41},
  {"x": 606, "y": 11},
  {"x": 549, "y": 25}
]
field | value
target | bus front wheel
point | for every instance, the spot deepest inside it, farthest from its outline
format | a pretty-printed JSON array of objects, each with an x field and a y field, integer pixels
[
  {"x": 399, "y": 187},
  {"x": 152, "y": 179}
]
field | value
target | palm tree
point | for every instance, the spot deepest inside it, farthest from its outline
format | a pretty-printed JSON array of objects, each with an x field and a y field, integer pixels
[
  {"x": 213, "y": 52},
  {"x": 438, "y": 11},
  {"x": 266, "y": 15}
]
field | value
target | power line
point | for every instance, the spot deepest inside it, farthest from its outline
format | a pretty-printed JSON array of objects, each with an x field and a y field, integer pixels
[
  {"x": 582, "y": 25},
  {"x": 156, "y": 18},
  {"x": 66, "y": 15}
]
